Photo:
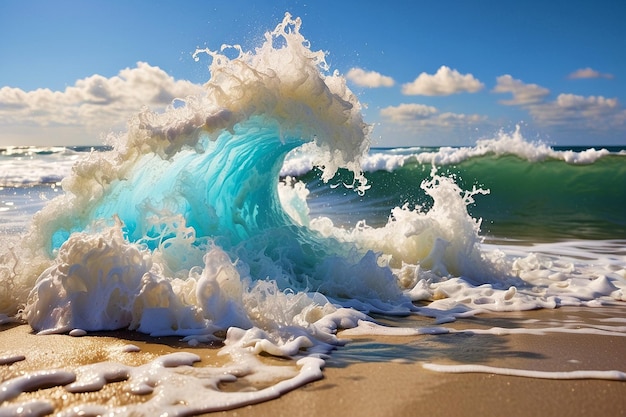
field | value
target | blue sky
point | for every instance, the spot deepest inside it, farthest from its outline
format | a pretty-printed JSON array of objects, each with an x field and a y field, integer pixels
[{"x": 430, "y": 73}]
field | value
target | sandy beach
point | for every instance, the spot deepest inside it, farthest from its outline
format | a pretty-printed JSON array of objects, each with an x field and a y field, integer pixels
[{"x": 385, "y": 376}]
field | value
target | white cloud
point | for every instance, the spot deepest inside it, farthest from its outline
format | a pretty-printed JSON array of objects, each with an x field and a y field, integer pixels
[
  {"x": 414, "y": 115},
  {"x": 408, "y": 112},
  {"x": 370, "y": 79},
  {"x": 523, "y": 94},
  {"x": 575, "y": 102},
  {"x": 595, "y": 113},
  {"x": 443, "y": 83},
  {"x": 588, "y": 73},
  {"x": 92, "y": 106}
]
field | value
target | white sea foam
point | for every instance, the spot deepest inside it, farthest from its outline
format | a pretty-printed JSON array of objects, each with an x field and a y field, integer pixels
[
  {"x": 76, "y": 272},
  {"x": 447, "y": 265},
  {"x": 370, "y": 328},
  {"x": 609, "y": 375},
  {"x": 8, "y": 359},
  {"x": 30, "y": 168},
  {"x": 503, "y": 144},
  {"x": 32, "y": 381},
  {"x": 34, "y": 408}
]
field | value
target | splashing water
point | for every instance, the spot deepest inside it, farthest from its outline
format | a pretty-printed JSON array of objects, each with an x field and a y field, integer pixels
[{"x": 183, "y": 228}]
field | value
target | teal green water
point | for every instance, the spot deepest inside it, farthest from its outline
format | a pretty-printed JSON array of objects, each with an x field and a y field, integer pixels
[
  {"x": 547, "y": 200},
  {"x": 536, "y": 201}
]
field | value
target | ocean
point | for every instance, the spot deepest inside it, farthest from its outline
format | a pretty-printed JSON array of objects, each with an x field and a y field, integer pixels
[{"x": 259, "y": 218}]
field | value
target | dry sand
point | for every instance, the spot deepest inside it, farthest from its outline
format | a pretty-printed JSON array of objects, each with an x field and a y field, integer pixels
[{"x": 384, "y": 376}]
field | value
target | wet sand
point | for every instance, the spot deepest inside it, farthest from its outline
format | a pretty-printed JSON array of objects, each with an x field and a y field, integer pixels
[{"x": 384, "y": 376}]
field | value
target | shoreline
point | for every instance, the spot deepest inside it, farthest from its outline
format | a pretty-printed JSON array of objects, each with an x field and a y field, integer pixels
[{"x": 384, "y": 375}]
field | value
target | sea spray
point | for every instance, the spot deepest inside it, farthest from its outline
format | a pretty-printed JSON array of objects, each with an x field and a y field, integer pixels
[
  {"x": 213, "y": 163},
  {"x": 202, "y": 178},
  {"x": 183, "y": 228},
  {"x": 536, "y": 192}
]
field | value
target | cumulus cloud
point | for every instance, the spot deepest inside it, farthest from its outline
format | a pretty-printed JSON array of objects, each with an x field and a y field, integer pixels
[
  {"x": 523, "y": 94},
  {"x": 415, "y": 115},
  {"x": 588, "y": 73},
  {"x": 93, "y": 105},
  {"x": 408, "y": 112},
  {"x": 370, "y": 79},
  {"x": 573, "y": 110},
  {"x": 567, "y": 110},
  {"x": 444, "y": 82}
]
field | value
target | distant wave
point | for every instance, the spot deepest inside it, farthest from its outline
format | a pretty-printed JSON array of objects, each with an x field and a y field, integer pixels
[{"x": 505, "y": 144}]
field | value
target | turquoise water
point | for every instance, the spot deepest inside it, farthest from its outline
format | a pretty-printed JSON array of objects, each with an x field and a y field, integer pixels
[
  {"x": 534, "y": 201},
  {"x": 257, "y": 217}
]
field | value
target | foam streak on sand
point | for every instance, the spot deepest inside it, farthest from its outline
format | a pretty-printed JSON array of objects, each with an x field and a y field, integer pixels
[
  {"x": 610, "y": 375},
  {"x": 169, "y": 383}
]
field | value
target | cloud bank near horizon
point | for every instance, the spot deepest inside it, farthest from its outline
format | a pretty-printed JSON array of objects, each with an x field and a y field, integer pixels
[
  {"x": 84, "y": 113},
  {"x": 89, "y": 109}
]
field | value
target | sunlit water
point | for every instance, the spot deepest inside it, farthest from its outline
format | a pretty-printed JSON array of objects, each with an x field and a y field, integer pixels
[{"x": 258, "y": 217}]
